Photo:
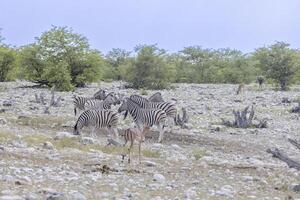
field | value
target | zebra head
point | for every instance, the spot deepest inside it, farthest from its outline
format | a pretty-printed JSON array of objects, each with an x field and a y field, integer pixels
[
  {"x": 156, "y": 97},
  {"x": 112, "y": 98},
  {"x": 124, "y": 105},
  {"x": 100, "y": 94}
]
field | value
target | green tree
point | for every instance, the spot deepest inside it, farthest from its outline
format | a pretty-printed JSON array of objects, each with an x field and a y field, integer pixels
[
  {"x": 117, "y": 58},
  {"x": 150, "y": 69},
  {"x": 61, "y": 50},
  {"x": 277, "y": 63}
]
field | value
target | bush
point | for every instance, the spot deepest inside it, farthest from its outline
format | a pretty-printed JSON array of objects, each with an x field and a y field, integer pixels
[
  {"x": 7, "y": 63},
  {"x": 150, "y": 70}
]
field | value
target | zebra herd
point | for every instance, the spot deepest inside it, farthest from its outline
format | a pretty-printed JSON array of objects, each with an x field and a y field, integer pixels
[{"x": 144, "y": 112}]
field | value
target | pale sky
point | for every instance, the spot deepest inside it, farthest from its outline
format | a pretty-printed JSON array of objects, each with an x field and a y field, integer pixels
[{"x": 172, "y": 24}]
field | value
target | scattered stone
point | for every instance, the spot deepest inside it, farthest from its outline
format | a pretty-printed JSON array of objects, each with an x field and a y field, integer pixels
[
  {"x": 61, "y": 135},
  {"x": 7, "y": 103},
  {"x": 48, "y": 145},
  {"x": 296, "y": 188},
  {"x": 3, "y": 121},
  {"x": 190, "y": 194},
  {"x": 150, "y": 163},
  {"x": 159, "y": 178},
  {"x": 75, "y": 195},
  {"x": 88, "y": 140},
  {"x": 11, "y": 197},
  {"x": 226, "y": 190},
  {"x": 176, "y": 147}
]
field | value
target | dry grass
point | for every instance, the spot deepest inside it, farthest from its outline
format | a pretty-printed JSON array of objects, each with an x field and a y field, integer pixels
[
  {"x": 7, "y": 136},
  {"x": 42, "y": 121},
  {"x": 198, "y": 153}
]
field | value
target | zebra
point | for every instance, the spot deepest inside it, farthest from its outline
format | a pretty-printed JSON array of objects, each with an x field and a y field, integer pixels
[
  {"x": 132, "y": 135},
  {"x": 80, "y": 102},
  {"x": 169, "y": 108},
  {"x": 100, "y": 105},
  {"x": 156, "y": 97},
  {"x": 145, "y": 117},
  {"x": 100, "y": 95},
  {"x": 98, "y": 119}
]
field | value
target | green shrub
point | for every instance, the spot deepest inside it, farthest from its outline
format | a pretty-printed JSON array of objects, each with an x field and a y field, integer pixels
[
  {"x": 149, "y": 70},
  {"x": 7, "y": 63}
]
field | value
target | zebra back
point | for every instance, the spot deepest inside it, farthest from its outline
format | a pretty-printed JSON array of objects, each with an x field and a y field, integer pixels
[
  {"x": 148, "y": 117},
  {"x": 169, "y": 108},
  {"x": 156, "y": 97}
]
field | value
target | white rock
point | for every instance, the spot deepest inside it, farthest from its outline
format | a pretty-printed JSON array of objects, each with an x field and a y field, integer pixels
[
  {"x": 75, "y": 195},
  {"x": 157, "y": 146},
  {"x": 226, "y": 190},
  {"x": 150, "y": 163},
  {"x": 61, "y": 135},
  {"x": 11, "y": 197},
  {"x": 87, "y": 140},
  {"x": 176, "y": 147},
  {"x": 159, "y": 178},
  {"x": 48, "y": 145},
  {"x": 190, "y": 193},
  {"x": 3, "y": 121}
]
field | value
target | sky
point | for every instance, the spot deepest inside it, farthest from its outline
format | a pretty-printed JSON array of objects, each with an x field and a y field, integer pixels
[{"x": 171, "y": 24}]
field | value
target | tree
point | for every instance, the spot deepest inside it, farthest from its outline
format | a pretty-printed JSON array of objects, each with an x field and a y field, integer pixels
[
  {"x": 277, "y": 63},
  {"x": 61, "y": 50},
  {"x": 117, "y": 58},
  {"x": 150, "y": 70}
]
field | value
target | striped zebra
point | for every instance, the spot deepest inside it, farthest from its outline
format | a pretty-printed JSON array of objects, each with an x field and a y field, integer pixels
[
  {"x": 96, "y": 104},
  {"x": 156, "y": 97},
  {"x": 145, "y": 117},
  {"x": 98, "y": 119},
  {"x": 80, "y": 102},
  {"x": 169, "y": 108}
]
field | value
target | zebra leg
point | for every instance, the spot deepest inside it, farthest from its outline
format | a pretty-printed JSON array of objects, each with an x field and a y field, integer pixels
[
  {"x": 93, "y": 132},
  {"x": 161, "y": 133},
  {"x": 140, "y": 152},
  {"x": 75, "y": 111}
]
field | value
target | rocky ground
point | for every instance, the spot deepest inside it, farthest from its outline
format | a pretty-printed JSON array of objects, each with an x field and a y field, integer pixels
[{"x": 41, "y": 159}]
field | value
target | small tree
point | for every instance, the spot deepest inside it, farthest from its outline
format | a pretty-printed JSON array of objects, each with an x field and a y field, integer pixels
[{"x": 277, "y": 63}]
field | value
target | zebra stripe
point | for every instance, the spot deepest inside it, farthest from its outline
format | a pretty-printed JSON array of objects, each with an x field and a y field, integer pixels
[
  {"x": 141, "y": 116},
  {"x": 169, "y": 108},
  {"x": 79, "y": 103},
  {"x": 96, "y": 118},
  {"x": 96, "y": 104}
]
